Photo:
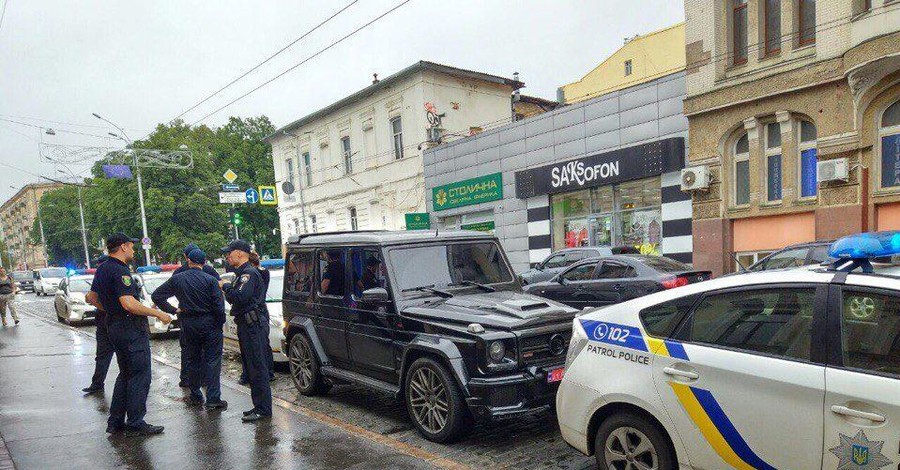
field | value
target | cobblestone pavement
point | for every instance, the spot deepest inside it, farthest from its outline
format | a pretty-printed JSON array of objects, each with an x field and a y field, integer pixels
[{"x": 531, "y": 442}]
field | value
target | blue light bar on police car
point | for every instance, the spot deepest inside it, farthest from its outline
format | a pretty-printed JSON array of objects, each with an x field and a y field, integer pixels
[
  {"x": 866, "y": 245},
  {"x": 149, "y": 269},
  {"x": 272, "y": 263}
]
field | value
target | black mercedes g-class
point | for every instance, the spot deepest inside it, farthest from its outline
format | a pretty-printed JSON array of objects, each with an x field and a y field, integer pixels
[{"x": 437, "y": 319}]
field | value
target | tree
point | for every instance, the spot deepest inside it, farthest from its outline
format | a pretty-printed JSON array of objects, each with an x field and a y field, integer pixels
[{"x": 62, "y": 227}]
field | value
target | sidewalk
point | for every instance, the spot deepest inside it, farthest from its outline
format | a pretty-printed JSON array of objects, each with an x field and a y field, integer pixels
[{"x": 47, "y": 422}]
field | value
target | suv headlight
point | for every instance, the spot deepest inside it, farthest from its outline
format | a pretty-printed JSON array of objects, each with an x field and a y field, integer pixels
[
  {"x": 496, "y": 351},
  {"x": 576, "y": 344}
]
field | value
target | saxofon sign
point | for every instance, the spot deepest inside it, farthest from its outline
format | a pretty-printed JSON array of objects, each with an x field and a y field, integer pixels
[
  {"x": 631, "y": 163},
  {"x": 467, "y": 192}
]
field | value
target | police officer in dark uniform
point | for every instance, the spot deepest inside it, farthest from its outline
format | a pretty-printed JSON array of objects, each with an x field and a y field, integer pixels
[
  {"x": 104, "y": 354},
  {"x": 116, "y": 293},
  {"x": 201, "y": 309},
  {"x": 183, "y": 375},
  {"x": 267, "y": 349},
  {"x": 247, "y": 296}
]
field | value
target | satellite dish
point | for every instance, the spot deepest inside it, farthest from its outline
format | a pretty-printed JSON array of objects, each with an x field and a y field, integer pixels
[{"x": 287, "y": 187}]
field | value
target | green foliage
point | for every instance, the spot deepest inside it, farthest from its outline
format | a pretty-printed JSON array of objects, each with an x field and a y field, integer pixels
[{"x": 182, "y": 206}]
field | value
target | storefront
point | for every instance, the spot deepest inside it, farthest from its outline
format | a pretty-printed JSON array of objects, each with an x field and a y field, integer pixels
[{"x": 464, "y": 194}]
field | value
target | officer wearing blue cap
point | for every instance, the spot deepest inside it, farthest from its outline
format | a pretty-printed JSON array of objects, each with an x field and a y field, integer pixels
[
  {"x": 183, "y": 377},
  {"x": 247, "y": 295},
  {"x": 201, "y": 309},
  {"x": 116, "y": 293},
  {"x": 104, "y": 353}
]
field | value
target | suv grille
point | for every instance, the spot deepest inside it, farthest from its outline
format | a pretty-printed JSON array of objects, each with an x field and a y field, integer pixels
[{"x": 545, "y": 348}]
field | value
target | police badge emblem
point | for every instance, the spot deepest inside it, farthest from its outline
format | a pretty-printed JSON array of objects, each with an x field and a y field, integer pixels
[
  {"x": 126, "y": 280},
  {"x": 859, "y": 453}
]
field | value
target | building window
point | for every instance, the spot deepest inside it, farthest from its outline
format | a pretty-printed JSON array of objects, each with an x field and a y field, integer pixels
[
  {"x": 890, "y": 146},
  {"x": 739, "y": 31},
  {"x": 808, "y": 160},
  {"x": 628, "y": 67},
  {"x": 313, "y": 225},
  {"x": 742, "y": 171},
  {"x": 297, "y": 226},
  {"x": 773, "y": 162},
  {"x": 307, "y": 168},
  {"x": 354, "y": 224},
  {"x": 397, "y": 135},
  {"x": 773, "y": 26},
  {"x": 348, "y": 155},
  {"x": 807, "y": 16},
  {"x": 289, "y": 168}
]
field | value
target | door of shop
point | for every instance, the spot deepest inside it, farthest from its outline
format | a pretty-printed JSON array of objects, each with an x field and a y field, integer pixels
[{"x": 600, "y": 230}]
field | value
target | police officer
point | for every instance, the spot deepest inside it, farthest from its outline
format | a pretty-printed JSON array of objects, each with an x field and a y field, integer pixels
[
  {"x": 104, "y": 354},
  {"x": 247, "y": 296},
  {"x": 201, "y": 309},
  {"x": 116, "y": 293},
  {"x": 267, "y": 348},
  {"x": 183, "y": 375}
]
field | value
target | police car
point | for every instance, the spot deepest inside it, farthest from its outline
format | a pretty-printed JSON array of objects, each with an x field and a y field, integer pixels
[
  {"x": 794, "y": 369},
  {"x": 150, "y": 278}
]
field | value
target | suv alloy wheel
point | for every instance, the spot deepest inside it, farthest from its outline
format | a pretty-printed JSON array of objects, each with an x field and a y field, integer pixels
[
  {"x": 626, "y": 440},
  {"x": 434, "y": 401},
  {"x": 304, "y": 366}
]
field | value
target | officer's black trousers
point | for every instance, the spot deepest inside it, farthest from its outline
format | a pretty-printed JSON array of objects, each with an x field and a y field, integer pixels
[
  {"x": 267, "y": 351},
  {"x": 183, "y": 375},
  {"x": 104, "y": 354},
  {"x": 203, "y": 354},
  {"x": 250, "y": 338},
  {"x": 132, "y": 347}
]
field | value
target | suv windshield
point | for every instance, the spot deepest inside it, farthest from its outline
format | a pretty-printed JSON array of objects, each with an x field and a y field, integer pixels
[
  {"x": 53, "y": 272},
  {"x": 440, "y": 266}
]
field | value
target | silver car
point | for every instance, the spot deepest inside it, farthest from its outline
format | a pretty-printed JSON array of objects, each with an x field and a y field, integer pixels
[
  {"x": 149, "y": 282},
  {"x": 69, "y": 301}
]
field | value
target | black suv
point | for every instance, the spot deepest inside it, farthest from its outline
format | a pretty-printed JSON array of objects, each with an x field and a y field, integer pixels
[{"x": 437, "y": 319}]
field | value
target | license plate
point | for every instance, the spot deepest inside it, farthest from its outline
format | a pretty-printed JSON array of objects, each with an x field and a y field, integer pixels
[{"x": 555, "y": 375}]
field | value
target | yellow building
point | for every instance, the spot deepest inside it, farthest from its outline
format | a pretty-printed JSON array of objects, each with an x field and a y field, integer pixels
[
  {"x": 17, "y": 217},
  {"x": 641, "y": 59}
]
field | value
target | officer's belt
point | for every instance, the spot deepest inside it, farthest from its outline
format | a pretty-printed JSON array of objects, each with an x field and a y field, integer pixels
[{"x": 194, "y": 314}]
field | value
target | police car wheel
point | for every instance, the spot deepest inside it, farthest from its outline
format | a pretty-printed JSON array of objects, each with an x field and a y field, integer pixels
[
  {"x": 304, "y": 366},
  {"x": 434, "y": 401},
  {"x": 630, "y": 441}
]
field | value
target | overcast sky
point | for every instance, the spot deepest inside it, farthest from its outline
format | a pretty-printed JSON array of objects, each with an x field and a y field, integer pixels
[{"x": 139, "y": 63}]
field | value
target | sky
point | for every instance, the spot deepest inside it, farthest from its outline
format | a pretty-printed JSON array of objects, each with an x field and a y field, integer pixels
[{"x": 139, "y": 63}]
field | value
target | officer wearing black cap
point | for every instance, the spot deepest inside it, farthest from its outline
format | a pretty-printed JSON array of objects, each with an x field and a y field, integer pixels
[
  {"x": 183, "y": 376},
  {"x": 104, "y": 354},
  {"x": 247, "y": 296},
  {"x": 201, "y": 309},
  {"x": 116, "y": 293}
]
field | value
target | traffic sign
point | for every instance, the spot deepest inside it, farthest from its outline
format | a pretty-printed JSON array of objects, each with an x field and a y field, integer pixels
[
  {"x": 145, "y": 240},
  {"x": 251, "y": 196},
  {"x": 267, "y": 196},
  {"x": 230, "y": 176},
  {"x": 232, "y": 198},
  {"x": 146, "y": 246},
  {"x": 230, "y": 187}
]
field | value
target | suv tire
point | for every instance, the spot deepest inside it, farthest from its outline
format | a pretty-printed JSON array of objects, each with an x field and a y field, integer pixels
[
  {"x": 304, "y": 367},
  {"x": 626, "y": 437},
  {"x": 434, "y": 401}
]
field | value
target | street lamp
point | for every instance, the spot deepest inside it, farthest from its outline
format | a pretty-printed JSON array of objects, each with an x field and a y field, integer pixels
[
  {"x": 87, "y": 255},
  {"x": 140, "y": 184}
]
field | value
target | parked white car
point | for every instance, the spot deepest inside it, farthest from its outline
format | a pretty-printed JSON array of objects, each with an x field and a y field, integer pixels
[
  {"x": 276, "y": 320},
  {"x": 69, "y": 301},
  {"x": 791, "y": 369},
  {"x": 149, "y": 282},
  {"x": 46, "y": 280}
]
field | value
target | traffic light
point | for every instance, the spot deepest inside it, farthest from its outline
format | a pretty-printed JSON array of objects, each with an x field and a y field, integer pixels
[{"x": 237, "y": 219}]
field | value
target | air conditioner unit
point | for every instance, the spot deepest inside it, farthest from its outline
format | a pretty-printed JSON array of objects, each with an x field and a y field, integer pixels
[
  {"x": 695, "y": 177},
  {"x": 833, "y": 170},
  {"x": 435, "y": 134}
]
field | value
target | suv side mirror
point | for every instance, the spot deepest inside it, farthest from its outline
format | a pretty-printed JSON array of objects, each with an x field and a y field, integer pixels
[
  {"x": 560, "y": 280},
  {"x": 375, "y": 295}
]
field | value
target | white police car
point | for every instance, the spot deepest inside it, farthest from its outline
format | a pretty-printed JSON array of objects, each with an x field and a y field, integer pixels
[{"x": 794, "y": 369}]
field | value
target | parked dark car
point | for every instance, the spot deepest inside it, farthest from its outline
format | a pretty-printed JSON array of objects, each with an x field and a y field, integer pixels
[
  {"x": 612, "y": 279},
  {"x": 559, "y": 260},
  {"x": 801, "y": 254},
  {"x": 438, "y": 320},
  {"x": 24, "y": 280}
]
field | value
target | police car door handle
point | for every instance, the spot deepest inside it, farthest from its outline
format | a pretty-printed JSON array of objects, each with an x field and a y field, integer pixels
[
  {"x": 845, "y": 411},
  {"x": 685, "y": 374}
]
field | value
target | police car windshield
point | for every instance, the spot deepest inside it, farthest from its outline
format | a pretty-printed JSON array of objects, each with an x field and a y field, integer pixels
[
  {"x": 53, "y": 272},
  {"x": 440, "y": 266},
  {"x": 80, "y": 285},
  {"x": 276, "y": 281}
]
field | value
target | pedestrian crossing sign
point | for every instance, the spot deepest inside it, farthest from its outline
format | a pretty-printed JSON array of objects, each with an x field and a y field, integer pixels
[{"x": 267, "y": 196}]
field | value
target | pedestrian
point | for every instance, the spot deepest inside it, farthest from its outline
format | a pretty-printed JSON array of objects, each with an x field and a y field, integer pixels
[
  {"x": 104, "y": 353},
  {"x": 247, "y": 297},
  {"x": 183, "y": 377},
  {"x": 8, "y": 296},
  {"x": 267, "y": 348},
  {"x": 201, "y": 310},
  {"x": 115, "y": 292}
]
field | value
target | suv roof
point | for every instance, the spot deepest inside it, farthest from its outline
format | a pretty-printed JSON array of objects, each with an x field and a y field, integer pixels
[{"x": 385, "y": 237}]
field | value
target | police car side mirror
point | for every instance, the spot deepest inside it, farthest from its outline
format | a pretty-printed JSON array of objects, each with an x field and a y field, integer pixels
[{"x": 375, "y": 295}]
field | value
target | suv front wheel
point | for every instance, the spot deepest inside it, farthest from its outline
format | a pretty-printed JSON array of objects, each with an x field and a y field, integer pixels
[
  {"x": 304, "y": 366},
  {"x": 626, "y": 440},
  {"x": 434, "y": 401}
]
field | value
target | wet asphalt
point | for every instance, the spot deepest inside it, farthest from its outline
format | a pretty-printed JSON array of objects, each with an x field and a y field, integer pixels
[{"x": 48, "y": 423}]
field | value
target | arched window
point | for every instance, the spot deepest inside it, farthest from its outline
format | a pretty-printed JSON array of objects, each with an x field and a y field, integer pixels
[
  {"x": 890, "y": 146},
  {"x": 808, "y": 160},
  {"x": 742, "y": 171},
  {"x": 773, "y": 162}
]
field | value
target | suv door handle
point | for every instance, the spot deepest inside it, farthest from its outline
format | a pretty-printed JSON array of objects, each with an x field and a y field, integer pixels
[
  {"x": 845, "y": 411},
  {"x": 685, "y": 374}
]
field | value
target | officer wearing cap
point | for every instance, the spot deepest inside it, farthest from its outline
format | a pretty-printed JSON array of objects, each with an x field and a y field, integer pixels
[
  {"x": 201, "y": 309},
  {"x": 183, "y": 375},
  {"x": 104, "y": 354},
  {"x": 247, "y": 296},
  {"x": 116, "y": 293}
]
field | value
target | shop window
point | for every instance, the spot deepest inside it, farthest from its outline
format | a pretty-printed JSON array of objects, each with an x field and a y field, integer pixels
[
  {"x": 808, "y": 160},
  {"x": 773, "y": 26},
  {"x": 742, "y": 171},
  {"x": 890, "y": 146},
  {"x": 739, "y": 31},
  {"x": 807, "y": 22},
  {"x": 773, "y": 162}
]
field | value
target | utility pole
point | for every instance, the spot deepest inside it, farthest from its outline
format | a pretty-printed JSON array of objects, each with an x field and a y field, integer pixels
[{"x": 87, "y": 255}]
